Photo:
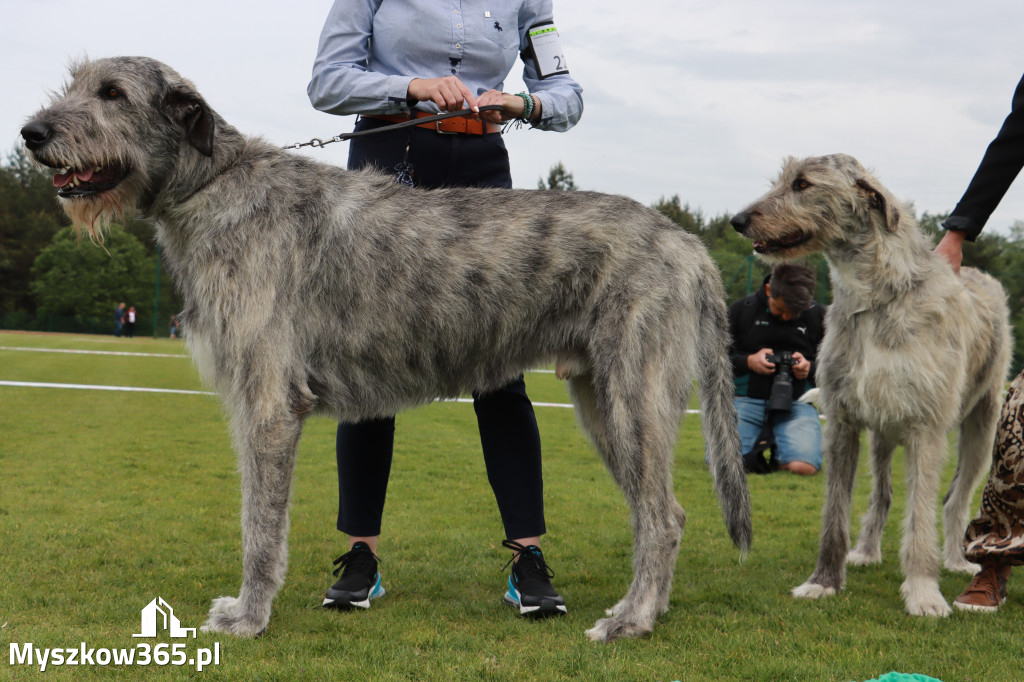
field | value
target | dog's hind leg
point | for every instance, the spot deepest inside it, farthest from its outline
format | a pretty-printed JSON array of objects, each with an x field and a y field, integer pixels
[
  {"x": 977, "y": 438},
  {"x": 919, "y": 551},
  {"x": 633, "y": 435},
  {"x": 266, "y": 435},
  {"x": 868, "y": 549},
  {"x": 842, "y": 450}
]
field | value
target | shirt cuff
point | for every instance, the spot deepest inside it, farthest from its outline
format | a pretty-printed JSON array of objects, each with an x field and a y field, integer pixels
[
  {"x": 398, "y": 92},
  {"x": 969, "y": 226}
]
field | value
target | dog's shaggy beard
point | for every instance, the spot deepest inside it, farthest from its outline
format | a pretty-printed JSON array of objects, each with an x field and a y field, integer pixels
[{"x": 93, "y": 215}]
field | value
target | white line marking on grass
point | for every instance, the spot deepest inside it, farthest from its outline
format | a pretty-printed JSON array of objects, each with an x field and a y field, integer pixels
[
  {"x": 470, "y": 400},
  {"x": 138, "y": 389},
  {"x": 157, "y": 355},
  {"x": 97, "y": 352},
  {"x": 94, "y": 387},
  {"x": 30, "y": 384},
  {"x": 91, "y": 387}
]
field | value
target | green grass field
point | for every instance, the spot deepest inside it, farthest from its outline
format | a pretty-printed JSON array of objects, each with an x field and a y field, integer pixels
[{"x": 110, "y": 499}]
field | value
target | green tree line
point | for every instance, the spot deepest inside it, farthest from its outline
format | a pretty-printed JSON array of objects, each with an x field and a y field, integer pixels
[{"x": 52, "y": 279}]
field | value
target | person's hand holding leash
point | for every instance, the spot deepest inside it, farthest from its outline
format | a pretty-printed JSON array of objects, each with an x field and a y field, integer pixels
[
  {"x": 447, "y": 93},
  {"x": 513, "y": 106}
]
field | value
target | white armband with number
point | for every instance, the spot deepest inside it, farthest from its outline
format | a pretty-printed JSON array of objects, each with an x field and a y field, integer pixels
[{"x": 547, "y": 50}]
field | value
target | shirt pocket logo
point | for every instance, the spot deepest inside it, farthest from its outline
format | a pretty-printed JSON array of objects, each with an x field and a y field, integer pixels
[{"x": 501, "y": 28}]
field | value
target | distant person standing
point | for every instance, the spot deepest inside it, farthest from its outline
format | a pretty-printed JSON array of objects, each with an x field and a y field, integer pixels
[
  {"x": 129, "y": 325},
  {"x": 118, "y": 319},
  {"x": 174, "y": 326}
]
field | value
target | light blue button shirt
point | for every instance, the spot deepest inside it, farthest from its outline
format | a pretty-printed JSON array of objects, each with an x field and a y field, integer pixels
[{"x": 370, "y": 50}]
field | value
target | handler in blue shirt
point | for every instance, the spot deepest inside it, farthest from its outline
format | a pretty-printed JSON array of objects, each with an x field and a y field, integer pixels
[{"x": 401, "y": 59}]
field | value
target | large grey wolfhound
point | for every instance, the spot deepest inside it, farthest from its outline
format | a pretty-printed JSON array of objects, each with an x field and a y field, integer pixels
[
  {"x": 911, "y": 351},
  {"x": 309, "y": 289}
]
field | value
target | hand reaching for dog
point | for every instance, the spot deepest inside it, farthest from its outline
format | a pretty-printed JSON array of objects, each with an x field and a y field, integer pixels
[{"x": 951, "y": 248}]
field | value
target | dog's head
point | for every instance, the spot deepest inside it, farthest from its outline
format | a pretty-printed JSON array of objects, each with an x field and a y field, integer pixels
[
  {"x": 114, "y": 134},
  {"x": 817, "y": 204}
]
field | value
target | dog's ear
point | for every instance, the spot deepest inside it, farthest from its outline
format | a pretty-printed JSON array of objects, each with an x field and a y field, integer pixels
[
  {"x": 878, "y": 200},
  {"x": 184, "y": 105}
]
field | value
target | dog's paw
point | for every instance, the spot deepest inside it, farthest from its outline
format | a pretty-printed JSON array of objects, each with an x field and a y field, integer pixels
[
  {"x": 811, "y": 590},
  {"x": 859, "y": 557},
  {"x": 935, "y": 609},
  {"x": 922, "y": 598},
  {"x": 227, "y": 615},
  {"x": 616, "y": 627},
  {"x": 962, "y": 565}
]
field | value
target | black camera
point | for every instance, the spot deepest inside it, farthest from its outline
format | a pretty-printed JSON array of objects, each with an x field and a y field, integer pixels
[{"x": 781, "y": 397}]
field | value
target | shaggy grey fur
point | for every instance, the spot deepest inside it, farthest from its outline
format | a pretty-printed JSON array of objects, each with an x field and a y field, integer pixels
[
  {"x": 911, "y": 351},
  {"x": 313, "y": 289}
]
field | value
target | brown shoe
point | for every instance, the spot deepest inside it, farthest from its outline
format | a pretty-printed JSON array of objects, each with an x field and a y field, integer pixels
[{"x": 987, "y": 592}]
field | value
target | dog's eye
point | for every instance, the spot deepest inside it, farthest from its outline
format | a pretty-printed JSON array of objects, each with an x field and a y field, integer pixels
[
  {"x": 800, "y": 184},
  {"x": 110, "y": 92}
]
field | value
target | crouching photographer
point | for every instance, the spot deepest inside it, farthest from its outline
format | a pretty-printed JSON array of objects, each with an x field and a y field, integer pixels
[{"x": 775, "y": 336}]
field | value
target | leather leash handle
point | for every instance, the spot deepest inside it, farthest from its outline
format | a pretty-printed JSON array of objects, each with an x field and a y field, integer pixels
[{"x": 420, "y": 121}]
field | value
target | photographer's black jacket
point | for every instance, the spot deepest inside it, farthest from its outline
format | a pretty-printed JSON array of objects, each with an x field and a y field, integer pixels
[{"x": 753, "y": 327}]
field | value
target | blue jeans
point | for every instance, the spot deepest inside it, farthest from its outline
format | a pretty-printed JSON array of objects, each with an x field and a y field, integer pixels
[{"x": 797, "y": 432}]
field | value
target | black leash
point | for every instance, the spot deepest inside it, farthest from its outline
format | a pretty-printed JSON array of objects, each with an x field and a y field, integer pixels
[{"x": 317, "y": 142}]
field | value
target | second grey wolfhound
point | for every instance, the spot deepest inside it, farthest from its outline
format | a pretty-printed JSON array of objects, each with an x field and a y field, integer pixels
[
  {"x": 911, "y": 351},
  {"x": 313, "y": 289}
]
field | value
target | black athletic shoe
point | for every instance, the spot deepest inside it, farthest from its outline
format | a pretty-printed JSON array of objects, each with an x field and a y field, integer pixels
[
  {"x": 529, "y": 584},
  {"x": 360, "y": 580}
]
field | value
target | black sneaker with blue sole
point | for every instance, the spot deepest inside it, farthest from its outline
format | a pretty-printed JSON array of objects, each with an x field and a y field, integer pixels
[
  {"x": 359, "y": 582},
  {"x": 529, "y": 584}
]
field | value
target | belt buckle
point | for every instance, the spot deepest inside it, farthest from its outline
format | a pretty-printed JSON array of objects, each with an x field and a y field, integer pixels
[{"x": 437, "y": 129}]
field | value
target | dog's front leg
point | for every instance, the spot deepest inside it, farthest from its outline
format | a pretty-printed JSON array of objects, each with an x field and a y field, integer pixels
[
  {"x": 919, "y": 551},
  {"x": 842, "y": 450},
  {"x": 266, "y": 450},
  {"x": 869, "y": 544}
]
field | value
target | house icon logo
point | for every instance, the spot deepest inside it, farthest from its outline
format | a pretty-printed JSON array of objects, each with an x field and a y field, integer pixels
[{"x": 159, "y": 611}]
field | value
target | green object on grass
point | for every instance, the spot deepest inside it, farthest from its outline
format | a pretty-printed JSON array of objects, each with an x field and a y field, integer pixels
[{"x": 904, "y": 677}]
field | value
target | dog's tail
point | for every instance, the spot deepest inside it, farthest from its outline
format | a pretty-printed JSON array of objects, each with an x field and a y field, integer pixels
[{"x": 718, "y": 417}]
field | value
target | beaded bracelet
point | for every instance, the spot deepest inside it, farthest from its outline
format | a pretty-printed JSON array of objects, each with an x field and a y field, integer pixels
[{"x": 527, "y": 105}]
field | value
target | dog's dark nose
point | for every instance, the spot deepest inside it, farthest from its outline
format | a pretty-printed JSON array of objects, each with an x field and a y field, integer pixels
[
  {"x": 35, "y": 133},
  {"x": 740, "y": 221}
]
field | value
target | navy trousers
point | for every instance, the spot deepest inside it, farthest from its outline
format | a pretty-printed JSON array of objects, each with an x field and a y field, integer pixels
[{"x": 505, "y": 417}]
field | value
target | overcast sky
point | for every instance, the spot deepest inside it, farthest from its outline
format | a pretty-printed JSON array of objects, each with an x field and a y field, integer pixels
[{"x": 700, "y": 99}]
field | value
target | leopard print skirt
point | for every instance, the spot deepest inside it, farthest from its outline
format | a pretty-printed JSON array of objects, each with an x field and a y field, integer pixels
[{"x": 997, "y": 534}]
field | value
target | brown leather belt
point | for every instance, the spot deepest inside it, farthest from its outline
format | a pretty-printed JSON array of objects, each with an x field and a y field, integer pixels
[{"x": 449, "y": 126}]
